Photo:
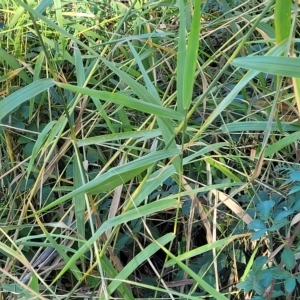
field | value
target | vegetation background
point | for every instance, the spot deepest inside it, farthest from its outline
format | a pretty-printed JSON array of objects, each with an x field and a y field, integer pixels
[{"x": 149, "y": 149}]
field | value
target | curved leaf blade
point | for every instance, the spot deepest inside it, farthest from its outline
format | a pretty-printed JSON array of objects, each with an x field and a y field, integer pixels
[
  {"x": 282, "y": 66},
  {"x": 17, "y": 98}
]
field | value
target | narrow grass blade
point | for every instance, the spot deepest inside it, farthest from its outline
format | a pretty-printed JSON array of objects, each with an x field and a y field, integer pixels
[
  {"x": 17, "y": 98},
  {"x": 112, "y": 273},
  {"x": 120, "y": 99},
  {"x": 280, "y": 144},
  {"x": 15, "y": 65},
  {"x": 249, "y": 264},
  {"x": 38, "y": 145},
  {"x": 37, "y": 74},
  {"x": 282, "y": 19},
  {"x": 115, "y": 176},
  {"x": 265, "y": 29},
  {"x": 102, "y": 139},
  {"x": 60, "y": 21},
  {"x": 138, "y": 260},
  {"x": 158, "y": 177},
  {"x": 150, "y": 86},
  {"x": 79, "y": 66},
  {"x": 102, "y": 112},
  {"x": 296, "y": 84},
  {"x": 79, "y": 201},
  {"x": 191, "y": 57},
  {"x": 73, "y": 267},
  {"x": 195, "y": 252},
  {"x": 277, "y": 50},
  {"x": 10, "y": 75},
  {"x": 166, "y": 126},
  {"x": 164, "y": 123},
  {"x": 20, "y": 291},
  {"x": 181, "y": 58},
  {"x": 118, "y": 178},
  {"x": 136, "y": 87},
  {"x": 202, "y": 283},
  {"x": 15, "y": 254},
  {"x": 143, "y": 36},
  {"x": 216, "y": 164},
  {"x": 139, "y": 212},
  {"x": 34, "y": 283},
  {"x": 44, "y": 4}
]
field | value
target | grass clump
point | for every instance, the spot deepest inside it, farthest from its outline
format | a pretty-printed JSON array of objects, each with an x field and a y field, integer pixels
[{"x": 149, "y": 149}]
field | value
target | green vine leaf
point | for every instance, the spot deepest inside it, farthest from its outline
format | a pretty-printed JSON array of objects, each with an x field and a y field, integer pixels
[
  {"x": 290, "y": 284},
  {"x": 288, "y": 258},
  {"x": 264, "y": 209}
]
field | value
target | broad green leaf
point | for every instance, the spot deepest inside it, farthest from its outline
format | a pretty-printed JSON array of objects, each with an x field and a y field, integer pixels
[
  {"x": 282, "y": 66},
  {"x": 258, "y": 264},
  {"x": 264, "y": 209},
  {"x": 288, "y": 258},
  {"x": 258, "y": 126},
  {"x": 257, "y": 224},
  {"x": 290, "y": 284},
  {"x": 258, "y": 234},
  {"x": 118, "y": 178},
  {"x": 280, "y": 274},
  {"x": 246, "y": 285},
  {"x": 17, "y": 98}
]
